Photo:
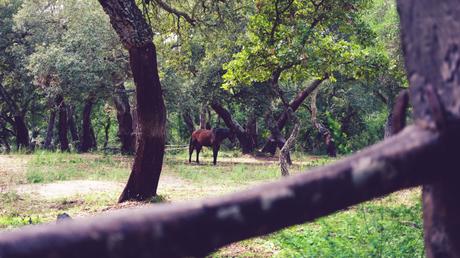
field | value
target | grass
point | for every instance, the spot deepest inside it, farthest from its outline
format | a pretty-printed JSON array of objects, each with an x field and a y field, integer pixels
[
  {"x": 387, "y": 227},
  {"x": 46, "y": 167}
]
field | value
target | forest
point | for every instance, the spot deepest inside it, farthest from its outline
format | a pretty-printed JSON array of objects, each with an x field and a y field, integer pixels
[{"x": 105, "y": 106}]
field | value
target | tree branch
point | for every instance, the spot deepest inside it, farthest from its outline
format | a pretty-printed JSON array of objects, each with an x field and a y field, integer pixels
[
  {"x": 196, "y": 229},
  {"x": 178, "y": 13}
]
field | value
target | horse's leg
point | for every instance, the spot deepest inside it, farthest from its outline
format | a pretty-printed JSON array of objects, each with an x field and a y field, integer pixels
[
  {"x": 198, "y": 149},
  {"x": 215, "y": 150},
  {"x": 190, "y": 151}
]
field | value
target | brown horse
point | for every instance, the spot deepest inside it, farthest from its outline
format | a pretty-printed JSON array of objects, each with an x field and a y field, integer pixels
[{"x": 210, "y": 138}]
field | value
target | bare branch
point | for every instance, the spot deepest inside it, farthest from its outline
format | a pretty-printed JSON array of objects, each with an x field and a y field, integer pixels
[{"x": 178, "y": 13}]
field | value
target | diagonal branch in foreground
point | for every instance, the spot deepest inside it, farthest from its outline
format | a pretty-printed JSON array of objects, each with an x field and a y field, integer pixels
[{"x": 196, "y": 229}]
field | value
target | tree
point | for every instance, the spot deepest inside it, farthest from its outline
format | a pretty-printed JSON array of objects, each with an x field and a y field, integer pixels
[
  {"x": 136, "y": 35},
  {"x": 297, "y": 41},
  {"x": 16, "y": 92}
]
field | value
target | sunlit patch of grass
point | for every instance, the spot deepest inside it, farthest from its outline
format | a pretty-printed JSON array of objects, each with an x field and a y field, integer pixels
[{"x": 48, "y": 167}]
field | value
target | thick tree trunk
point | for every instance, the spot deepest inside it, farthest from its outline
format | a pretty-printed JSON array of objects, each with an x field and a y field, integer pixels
[
  {"x": 135, "y": 127},
  {"x": 87, "y": 137},
  {"x": 143, "y": 181},
  {"x": 323, "y": 130},
  {"x": 22, "y": 133},
  {"x": 50, "y": 131},
  {"x": 136, "y": 35},
  {"x": 125, "y": 120},
  {"x": 244, "y": 138},
  {"x": 72, "y": 126},
  {"x": 431, "y": 41},
  {"x": 271, "y": 144},
  {"x": 62, "y": 124}
]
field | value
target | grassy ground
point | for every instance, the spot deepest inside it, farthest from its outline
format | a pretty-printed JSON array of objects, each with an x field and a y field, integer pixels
[{"x": 35, "y": 188}]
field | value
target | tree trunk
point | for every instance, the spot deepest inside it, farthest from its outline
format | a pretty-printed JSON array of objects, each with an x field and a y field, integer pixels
[
  {"x": 276, "y": 139},
  {"x": 431, "y": 40},
  {"x": 22, "y": 133},
  {"x": 285, "y": 158},
  {"x": 63, "y": 127},
  {"x": 87, "y": 137},
  {"x": 203, "y": 114},
  {"x": 106, "y": 132},
  {"x": 245, "y": 139},
  {"x": 271, "y": 143},
  {"x": 72, "y": 126},
  {"x": 188, "y": 120},
  {"x": 125, "y": 120},
  {"x": 251, "y": 129},
  {"x": 135, "y": 127},
  {"x": 136, "y": 35},
  {"x": 399, "y": 112},
  {"x": 387, "y": 127},
  {"x": 323, "y": 130},
  {"x": 50, "y": 130}
]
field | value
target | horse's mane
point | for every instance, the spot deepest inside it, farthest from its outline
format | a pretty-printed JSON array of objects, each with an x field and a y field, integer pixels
[{"x": 220, "y": 130}]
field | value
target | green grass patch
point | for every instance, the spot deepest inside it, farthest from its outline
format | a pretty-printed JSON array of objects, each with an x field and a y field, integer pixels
[
  {"x": 367, "y": 230},
  {"x": 46, "y": 167}
]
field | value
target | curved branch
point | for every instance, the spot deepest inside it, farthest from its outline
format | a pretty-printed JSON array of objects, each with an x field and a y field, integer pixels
[{"x": 178, "y": 13}]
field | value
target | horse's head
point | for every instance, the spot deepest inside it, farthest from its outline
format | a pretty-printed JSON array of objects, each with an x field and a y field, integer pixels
[{"x": 222, "y": 133}]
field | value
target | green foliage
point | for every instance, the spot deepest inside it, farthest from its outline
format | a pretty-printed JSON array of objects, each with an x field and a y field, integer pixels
[
  {"x": 368, "y": 230},
  {"x": 314, "y": 40},
  {"x": 341, "y": 140}
]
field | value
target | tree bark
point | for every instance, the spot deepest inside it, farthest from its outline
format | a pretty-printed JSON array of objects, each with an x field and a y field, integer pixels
[
  {"x": 136, "y": 35},
  {"x": 50, "y": 130},
  {"x": 276, "y": 139},
  {"x": 188, "y": 120},
  {"x": 72, "y": 126},
  {"x": 251, "y": 129},
  {"x": 22, "y": 133},
  {"x": 203, "y": 114},
  {"x": 87, "y": 137},
  {"x": 285, "y": 159},
  {"x": 245, "y": 139},
  {"x": 399, "y": 112},
  {"x": 331, "y": 149},
  {"x": 135, "y": 129},
  {"x": 106, "y": 132},
  {"x": 125, "y": 120},
  {"x": 431, "y": 42},
  {"x": 62, "y": 124}
]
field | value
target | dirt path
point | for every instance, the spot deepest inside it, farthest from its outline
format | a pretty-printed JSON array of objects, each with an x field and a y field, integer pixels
[{"x": 12, "y": 170}]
